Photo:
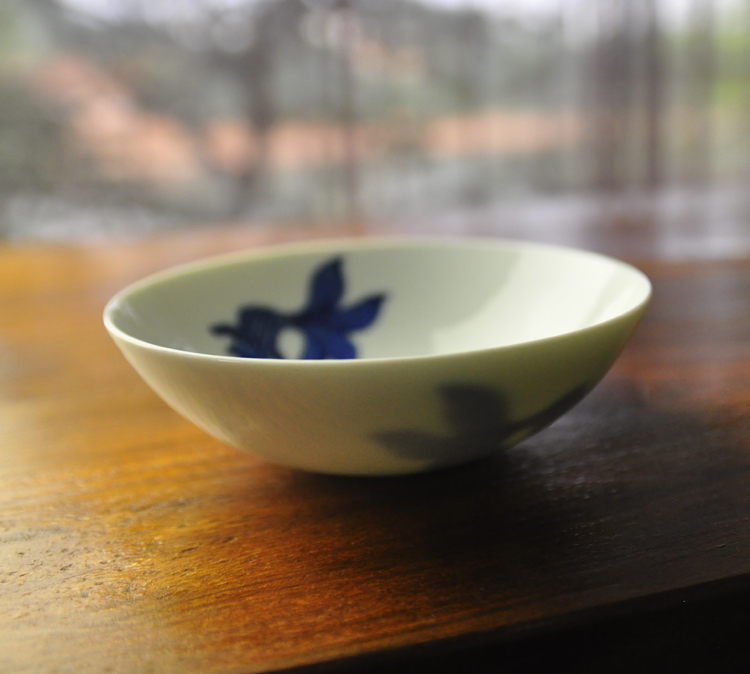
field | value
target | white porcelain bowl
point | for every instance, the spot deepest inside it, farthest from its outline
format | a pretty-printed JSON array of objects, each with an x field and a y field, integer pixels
[{"x": 464, "y": 346}]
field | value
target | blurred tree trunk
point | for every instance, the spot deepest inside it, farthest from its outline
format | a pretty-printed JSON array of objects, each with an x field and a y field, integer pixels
[
  {"x": 253, "y": 68},
  {"x": 348, "y": 112},
  {"x": 255, "y": 72},
  {"x": 655, "y": 81},
  {"x": 700, "y": 61},
  {"x": 612, "y": 92}
]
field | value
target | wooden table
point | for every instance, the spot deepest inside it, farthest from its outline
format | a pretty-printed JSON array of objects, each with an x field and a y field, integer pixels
[{"x": 130, "y": 541}]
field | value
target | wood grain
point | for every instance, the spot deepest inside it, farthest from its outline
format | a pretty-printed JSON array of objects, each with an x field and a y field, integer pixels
[{"x": 132, "y": 542}]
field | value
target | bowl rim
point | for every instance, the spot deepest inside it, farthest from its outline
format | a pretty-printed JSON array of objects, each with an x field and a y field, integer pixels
[{"x": 343, "y": 245}]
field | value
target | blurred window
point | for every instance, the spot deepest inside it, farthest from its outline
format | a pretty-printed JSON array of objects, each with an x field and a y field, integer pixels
[{"x": 121, "y": 116}]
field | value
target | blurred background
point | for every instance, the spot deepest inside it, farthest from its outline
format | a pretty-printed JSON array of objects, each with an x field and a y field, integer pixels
[{"x": 125, "y": 117}]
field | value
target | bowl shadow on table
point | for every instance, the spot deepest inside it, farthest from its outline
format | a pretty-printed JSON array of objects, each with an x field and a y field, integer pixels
[
  {"x": 498, "y": 529},
  {"x": 483, "y": 521}
]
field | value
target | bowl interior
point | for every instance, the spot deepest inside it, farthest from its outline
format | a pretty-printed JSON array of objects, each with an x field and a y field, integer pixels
[{"x": 439, "y": 297}]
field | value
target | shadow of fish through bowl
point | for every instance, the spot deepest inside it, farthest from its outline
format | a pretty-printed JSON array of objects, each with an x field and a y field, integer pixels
[{"x": 478, "y": 419}]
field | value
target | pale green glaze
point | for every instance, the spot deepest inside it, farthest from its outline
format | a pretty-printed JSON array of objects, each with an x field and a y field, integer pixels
[{"x": 474, "y": 337}]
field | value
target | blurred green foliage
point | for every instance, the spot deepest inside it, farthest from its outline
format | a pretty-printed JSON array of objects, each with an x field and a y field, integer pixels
[{"x": 32, "y": 151}]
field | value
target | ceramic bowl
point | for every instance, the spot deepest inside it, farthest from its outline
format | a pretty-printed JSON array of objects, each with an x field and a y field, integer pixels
[{"x": 379, "y": 357}]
